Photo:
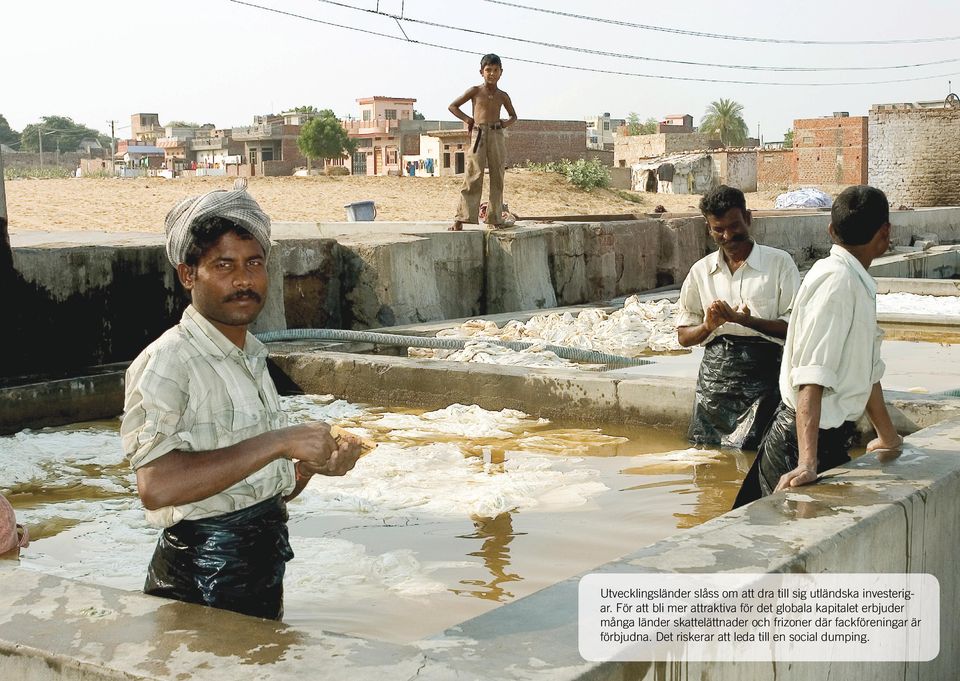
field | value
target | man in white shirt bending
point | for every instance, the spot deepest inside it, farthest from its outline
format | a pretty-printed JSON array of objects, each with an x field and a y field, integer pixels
[{"x": 831, "y": 361}]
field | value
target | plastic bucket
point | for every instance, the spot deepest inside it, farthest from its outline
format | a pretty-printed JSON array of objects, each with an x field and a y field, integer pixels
[{"x": 361, "y": 211}]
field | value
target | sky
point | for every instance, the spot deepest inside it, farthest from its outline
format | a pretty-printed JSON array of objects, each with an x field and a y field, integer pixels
[{"x": 217, "y": 61}]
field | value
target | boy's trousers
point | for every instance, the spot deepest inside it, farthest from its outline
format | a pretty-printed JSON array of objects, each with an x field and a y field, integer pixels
[{"x": 486, "y": 151}]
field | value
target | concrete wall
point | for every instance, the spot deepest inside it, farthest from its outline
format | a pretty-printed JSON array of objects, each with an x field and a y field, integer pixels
[
  {"x": 913, "y": 154},
  {"x": 629, "y": 149},
  {"x": 736, "y": 169}
]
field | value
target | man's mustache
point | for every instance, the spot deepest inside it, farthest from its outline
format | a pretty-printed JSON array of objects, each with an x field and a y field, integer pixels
[
  {"x": 253, "y": 295},
  {"x": 737, "y": 239}
]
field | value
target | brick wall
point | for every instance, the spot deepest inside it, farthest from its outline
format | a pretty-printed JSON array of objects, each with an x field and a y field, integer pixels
[
  {"x": 830, "y": 150},
  {"x": 775, "y": 168},
  {"x": 915, "y": 154},
  {"x": 545, "y": 141},
  {"x": 736, "y": 169},
  {"x": 27, "y": 160}
]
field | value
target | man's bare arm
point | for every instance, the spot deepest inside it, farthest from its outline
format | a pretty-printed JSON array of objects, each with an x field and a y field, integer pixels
[
  {"x": 508, "y": 105},
  {"x": 887, "y": 436},
  {"x": 454, "y": 107},
  {"x": 809, "y": 403},
  {"x": 180, "y": 477}
]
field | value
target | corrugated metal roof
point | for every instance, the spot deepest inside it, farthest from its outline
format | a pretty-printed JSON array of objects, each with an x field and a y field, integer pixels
[{"x": 143, "y": 149}]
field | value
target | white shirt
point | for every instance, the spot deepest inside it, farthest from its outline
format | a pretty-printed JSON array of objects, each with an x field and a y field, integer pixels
[
  {"x": 193, "y": 390},
  {"x": 767, "y": 283},
  {"x": 833, "y": 339}
]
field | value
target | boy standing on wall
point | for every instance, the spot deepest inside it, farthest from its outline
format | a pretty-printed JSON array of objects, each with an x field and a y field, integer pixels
[{"x": 487, "y": 147}]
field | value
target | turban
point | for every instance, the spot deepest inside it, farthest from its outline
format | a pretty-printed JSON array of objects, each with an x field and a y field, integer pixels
[{"x": 236, "y": 206}]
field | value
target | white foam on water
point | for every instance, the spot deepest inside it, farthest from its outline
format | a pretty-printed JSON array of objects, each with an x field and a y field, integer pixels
[
  {"x": 468, "y": 421},
  {"x": 913, "y": 303},
  {"x": 304, "y": 408},
  {"x": 691, "y": 456},
  {"x": 439, "y": 480},
  {"x": 51, "y": 457}
]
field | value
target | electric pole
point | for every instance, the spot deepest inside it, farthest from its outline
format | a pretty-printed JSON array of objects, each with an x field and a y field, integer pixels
[
  {"x": 40, "y": 138},
  {"x": 113, "y": 145}
]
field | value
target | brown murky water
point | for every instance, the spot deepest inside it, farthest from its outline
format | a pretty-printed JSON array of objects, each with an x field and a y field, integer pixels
[{"x": 487, "y": 560}]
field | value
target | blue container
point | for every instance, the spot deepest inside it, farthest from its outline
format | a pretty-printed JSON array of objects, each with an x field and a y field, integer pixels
[{"x": 361, "y": 211}]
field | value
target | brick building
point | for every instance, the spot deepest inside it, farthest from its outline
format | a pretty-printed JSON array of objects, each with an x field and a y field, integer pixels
[
  {"x": 630, "y": 149},
  {"x": 270, "y": 145},
  {"x": 536, "y": 141},
  {"x": 776, "y": 168},
  {"x": 830, "y": 150},
  {"x": 914, "y": 155}
]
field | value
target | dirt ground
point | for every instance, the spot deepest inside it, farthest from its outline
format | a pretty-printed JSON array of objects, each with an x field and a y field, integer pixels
[{"x": 139, "y": 205}]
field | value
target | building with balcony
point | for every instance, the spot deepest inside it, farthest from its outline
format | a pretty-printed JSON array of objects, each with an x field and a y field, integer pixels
[
  {"x": 270, "y": 145},
  {"x": 145, "y": 128},
  {"x": 601, "y": 131}
]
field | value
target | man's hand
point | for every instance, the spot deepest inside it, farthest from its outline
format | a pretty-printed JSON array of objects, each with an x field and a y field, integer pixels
[
  {"x": 801, "y": 475},
  {"x": 341, "y": 460},
  {"x": 885, "y": 451},
  {"x": 311, "y": 443},
  {"x": 470, "y": 123},
  {"x": 714, "y": 317}
]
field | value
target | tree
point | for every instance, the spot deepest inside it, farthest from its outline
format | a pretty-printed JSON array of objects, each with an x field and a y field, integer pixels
[
  {"x": 58, "y": 132},
  {"x": 634, "y": 127},
  {"x": 8, "y": 135},
  {"x": 181, "y": 124},
  {"x": 788, "y": 139},
  {"x": 417, "y": 116},
  {"x": 725, "y": 118},
  {"x": 323, "y": 137},
  {"x": 308, "y": 108}
]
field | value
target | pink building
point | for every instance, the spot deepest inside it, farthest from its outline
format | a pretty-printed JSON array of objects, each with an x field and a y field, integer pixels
[{"x": 379, "y": 135}]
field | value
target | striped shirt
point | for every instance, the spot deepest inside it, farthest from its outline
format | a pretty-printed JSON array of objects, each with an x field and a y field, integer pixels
[{"x": 193, "y": 390}]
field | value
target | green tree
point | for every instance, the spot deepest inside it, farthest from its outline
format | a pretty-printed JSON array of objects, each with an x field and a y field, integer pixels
[
  {"x": 181, "y": 124},
  {"x": 634, "y": 127},
  {"x": 58, "y": 132},
  {"x": 788, "y": 139},
  {"x": 323, "y": 137},
  {"x": 725, "y": 118},
  {"x": 8, "y": 135},
  {"x": 308, "y": 108},
  {"x": 417, "y": 116}
]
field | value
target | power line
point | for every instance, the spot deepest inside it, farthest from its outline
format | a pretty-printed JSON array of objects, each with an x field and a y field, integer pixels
[
  {"x": 584, "y": 69},
  {"x": 721, "y": 36},
  {"x": 621, "y": 55}
]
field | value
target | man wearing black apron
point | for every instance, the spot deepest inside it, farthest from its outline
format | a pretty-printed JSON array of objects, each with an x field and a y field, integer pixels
[
  {"x": 735, "y": 302},
  {"x": 202, "y": 426}
]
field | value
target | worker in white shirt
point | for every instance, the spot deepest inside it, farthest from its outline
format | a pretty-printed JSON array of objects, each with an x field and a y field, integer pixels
[
  {"x": 831, "y": 363},
  {"x": 735, "y": 302}
]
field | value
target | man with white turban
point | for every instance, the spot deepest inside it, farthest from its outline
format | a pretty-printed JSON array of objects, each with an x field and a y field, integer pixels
[{"x": 215, "y": 461}]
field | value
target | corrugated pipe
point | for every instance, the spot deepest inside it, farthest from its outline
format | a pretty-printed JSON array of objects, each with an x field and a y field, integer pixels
[{"x": 572, "y": 354}]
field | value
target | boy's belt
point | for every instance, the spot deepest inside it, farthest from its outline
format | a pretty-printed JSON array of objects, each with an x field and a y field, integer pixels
[{"x": 480, "y": 128}]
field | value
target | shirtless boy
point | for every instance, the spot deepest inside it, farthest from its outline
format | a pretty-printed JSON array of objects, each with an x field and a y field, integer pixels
[{"x": 486, "y": 148}]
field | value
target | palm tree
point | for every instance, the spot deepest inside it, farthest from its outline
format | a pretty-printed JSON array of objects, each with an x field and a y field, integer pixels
[{"x": 725, "y": 117}]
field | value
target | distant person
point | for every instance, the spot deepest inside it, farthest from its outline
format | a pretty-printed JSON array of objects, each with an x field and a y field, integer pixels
[
  {"x": 13, "y": 537},
  {"x": 735, "y": 302},
  {"x": 487, "y": 149},
  {"x": 215, "y": 461},
  {"x": 831, "y": 363}
]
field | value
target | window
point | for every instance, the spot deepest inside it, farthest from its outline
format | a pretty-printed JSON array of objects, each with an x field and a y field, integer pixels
[
  {"x": 606, "y": 125},
  {"x": 390, "y": 114},
  {"x": 364, "y": 142},
  {"x": 446, "y": 160},
  {"x": 391, "y": 155},
  {"x": 366, "y": 114},
  {"x": 266, "y": 154}
]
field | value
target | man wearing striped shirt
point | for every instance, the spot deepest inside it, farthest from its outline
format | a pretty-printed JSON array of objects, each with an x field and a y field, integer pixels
[{"x": 215, "y": 461}]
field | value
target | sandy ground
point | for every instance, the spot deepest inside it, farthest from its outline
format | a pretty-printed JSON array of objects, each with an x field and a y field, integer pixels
[{"x": 139, "y": 205}]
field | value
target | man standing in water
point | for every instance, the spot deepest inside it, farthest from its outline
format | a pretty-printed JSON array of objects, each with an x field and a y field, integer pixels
[
  {"x": 831, "y": 362},
  {"x": 202, "y": 425},
  {"x": 487, "y": 149},
  {"x": 736, "y": 303}
]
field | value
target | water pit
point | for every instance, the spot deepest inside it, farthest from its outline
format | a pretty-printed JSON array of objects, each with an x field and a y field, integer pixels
[{"x": 457, "y": 512}]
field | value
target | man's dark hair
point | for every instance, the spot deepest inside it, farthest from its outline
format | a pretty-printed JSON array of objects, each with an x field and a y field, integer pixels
[
  {"x": 489, "y": 59},
  {"x": 858, "y": 213},
  {"x": 718, "y": 201},
  {"x": 206, "y": 233}
]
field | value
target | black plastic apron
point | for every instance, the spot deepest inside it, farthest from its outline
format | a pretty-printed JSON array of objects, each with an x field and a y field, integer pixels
[
  {"x": 780, "y": 453},
  {"x": 737, "y": 391},
  {"x": 234, "y": 561}
]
